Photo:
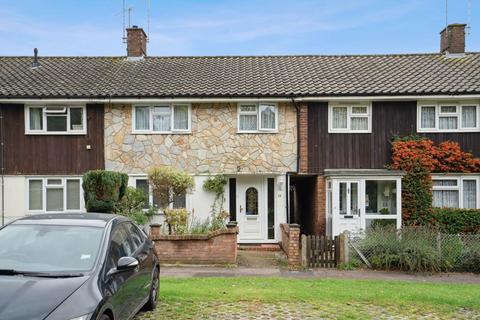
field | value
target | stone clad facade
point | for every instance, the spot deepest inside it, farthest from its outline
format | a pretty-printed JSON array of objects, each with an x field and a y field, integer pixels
[{"x": 213, "y": 146}]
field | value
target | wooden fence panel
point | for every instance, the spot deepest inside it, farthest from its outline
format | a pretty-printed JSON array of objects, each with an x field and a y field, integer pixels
[{"x": 320, "y": 251}]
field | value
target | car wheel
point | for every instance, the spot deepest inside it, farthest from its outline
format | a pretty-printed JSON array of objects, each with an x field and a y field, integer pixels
[
  {"x": 104, "y": 317},
  {"x": 152, "y": 299}
]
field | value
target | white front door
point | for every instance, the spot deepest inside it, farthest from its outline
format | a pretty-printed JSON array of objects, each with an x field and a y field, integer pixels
[
  {"x": 346, "y": 208},
  {"x": 251, "y": 208}
]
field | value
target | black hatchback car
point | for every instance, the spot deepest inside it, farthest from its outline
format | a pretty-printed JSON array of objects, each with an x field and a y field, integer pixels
[{"x": 76, "y": 267}]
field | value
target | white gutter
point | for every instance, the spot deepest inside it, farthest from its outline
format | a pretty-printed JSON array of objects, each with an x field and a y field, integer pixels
[
  {"x": 391, "y": 98},
  {"x": 146, "y": 100},
  {"x": 226, "y": 99}
]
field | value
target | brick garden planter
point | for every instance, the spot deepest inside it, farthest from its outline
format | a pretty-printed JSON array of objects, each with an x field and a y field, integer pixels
[{"x": 218, "y": 247}]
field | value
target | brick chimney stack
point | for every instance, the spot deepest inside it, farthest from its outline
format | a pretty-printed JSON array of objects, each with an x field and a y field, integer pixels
[
  {"x": 136, "y": 42},
  {"x": 452, "y": 39}
]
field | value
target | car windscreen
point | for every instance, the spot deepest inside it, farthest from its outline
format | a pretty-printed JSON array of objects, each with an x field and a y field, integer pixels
[{"x": 49, "y": 248}]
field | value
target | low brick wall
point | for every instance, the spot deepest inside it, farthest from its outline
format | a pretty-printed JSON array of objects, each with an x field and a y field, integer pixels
[
  {"x": 218, "y": 247},
  {"x": 290, "y": 244}
]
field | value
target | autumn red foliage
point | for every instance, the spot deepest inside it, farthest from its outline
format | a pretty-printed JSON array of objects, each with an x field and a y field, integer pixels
[
  {"x": 445, "y": 157},
  {"x": 419, "y": 157}
]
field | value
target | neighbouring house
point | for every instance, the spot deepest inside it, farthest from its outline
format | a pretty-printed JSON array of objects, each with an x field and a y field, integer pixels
[
  {"x": 301, "y": 138},
  {"x": 345, "y": 137}
]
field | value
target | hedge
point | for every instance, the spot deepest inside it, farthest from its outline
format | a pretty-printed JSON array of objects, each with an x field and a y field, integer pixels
[
  {"x": 455, "y": 221},
  {"x": 103, "y": 190}
]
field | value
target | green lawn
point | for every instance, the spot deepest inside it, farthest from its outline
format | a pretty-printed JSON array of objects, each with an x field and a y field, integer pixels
[{"x": 254, "y": 298}]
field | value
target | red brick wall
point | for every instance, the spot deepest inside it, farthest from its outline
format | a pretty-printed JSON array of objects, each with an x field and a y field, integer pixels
[
  {"x": 291, "y": 244},
  {"x": 136, "y": 42},
  {"x": 303, "y": 138},
  {"x": 319, "y": 216},
  {"x": 452, "y": 39},
  {"x": 219, "y": 247}
]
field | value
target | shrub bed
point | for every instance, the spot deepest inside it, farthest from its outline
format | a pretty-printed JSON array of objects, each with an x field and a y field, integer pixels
[
  {"x": 455, "y": 221},
  {"x": 418, "y": 249}
]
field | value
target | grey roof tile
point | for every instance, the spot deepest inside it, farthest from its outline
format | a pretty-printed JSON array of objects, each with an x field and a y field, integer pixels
[{"x": 247, "y": 76}]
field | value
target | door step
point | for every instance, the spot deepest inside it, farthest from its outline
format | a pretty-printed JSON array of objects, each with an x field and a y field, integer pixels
[{"x": 260, "y": 247}]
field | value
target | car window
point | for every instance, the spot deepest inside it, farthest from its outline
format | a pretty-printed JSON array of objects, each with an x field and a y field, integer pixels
[
  {"x": 49, "y": 248},
  {"x": 135, "y": 235},
  {"x": 120, "y": 245}
]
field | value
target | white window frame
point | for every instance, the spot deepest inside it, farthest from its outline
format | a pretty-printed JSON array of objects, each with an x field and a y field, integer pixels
[
  {"x": 350, "y": 115},
  {"x": 150, "y": 192},
  {"x": 45, "y": 186},
  {"x": 439, "y": 114},
  {"x": 459, "y": 187},
  {"x": 172, "y": 130},
  {"x": 258, "y": 114},
  {"x": 44, "y": 131}
]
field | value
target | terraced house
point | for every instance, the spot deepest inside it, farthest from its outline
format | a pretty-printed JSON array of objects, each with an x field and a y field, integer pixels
[{"x": 301, "y": 138}]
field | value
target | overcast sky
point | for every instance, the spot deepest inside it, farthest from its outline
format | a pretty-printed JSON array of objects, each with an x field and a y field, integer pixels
[{"x": 241, "y": 27}]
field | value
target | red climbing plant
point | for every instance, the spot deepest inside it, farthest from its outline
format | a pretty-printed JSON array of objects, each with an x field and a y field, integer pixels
[
  {"x": 445, "y": 157},
  {"x": 418, "y": 157}
]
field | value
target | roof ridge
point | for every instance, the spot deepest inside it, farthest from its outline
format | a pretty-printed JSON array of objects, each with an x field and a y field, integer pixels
[{"x": 243, "y": 56}]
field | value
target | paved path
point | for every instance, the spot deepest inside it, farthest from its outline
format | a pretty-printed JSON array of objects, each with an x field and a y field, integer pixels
[{"x": 202, "y": 271}]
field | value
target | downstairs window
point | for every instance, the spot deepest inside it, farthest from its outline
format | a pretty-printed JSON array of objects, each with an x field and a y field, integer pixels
[
  {"x": 54, "y": 195},
  {"x": 456, "y": 192}
]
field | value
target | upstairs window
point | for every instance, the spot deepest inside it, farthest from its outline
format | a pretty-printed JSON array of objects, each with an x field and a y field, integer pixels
[
  {"x": 262, "y": 117},
  {"x": 350, "y": 118},
  {"x": 161, "y": 118},
  {"x": 448, "y": 118},
  {"x": 55, "y": 120}
]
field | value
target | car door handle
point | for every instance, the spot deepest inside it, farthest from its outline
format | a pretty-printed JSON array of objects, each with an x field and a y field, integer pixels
[{"x": 142, "y": 257}]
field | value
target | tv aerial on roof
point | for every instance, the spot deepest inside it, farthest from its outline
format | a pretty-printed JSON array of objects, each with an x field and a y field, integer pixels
[{"x": 128, "y": 10}]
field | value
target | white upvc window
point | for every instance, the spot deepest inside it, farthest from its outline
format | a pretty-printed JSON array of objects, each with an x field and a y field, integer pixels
[
  {"x": 161, "y": 118},
  {"x": 54, "y": 194},
  {"x": 455, "y": 191},
  {"x": 143, "y": 184},
  {"x": 257, "y": 117},
  {"x": 448, "y": 117},
  {"x": 55, "y": 120},
  {"x": 349, "y": 118}
]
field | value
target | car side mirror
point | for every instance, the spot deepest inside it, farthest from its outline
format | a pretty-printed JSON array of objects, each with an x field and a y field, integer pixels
[{"x": 126, "y": 263}]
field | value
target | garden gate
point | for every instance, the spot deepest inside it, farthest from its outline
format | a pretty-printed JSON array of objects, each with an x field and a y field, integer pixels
[{"x": 323, "y": 251}]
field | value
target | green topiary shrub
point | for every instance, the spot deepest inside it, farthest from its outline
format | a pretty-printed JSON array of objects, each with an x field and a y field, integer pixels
[{"x": 103, "y": 190}]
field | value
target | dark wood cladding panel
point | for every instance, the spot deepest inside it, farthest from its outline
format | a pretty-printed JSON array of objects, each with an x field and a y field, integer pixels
[
  {"x": 52, "y": 154},
  {"x": 369, "y": 150}
]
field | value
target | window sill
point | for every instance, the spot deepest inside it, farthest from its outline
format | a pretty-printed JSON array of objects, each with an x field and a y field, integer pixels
[
  {"x": 258, "y": 132},
  {"x": 162, "y": 133},
  {"x": 349, "y": 131},
  {"x": 447, "y": 131},
  {"x": 30, "y": 133}
]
